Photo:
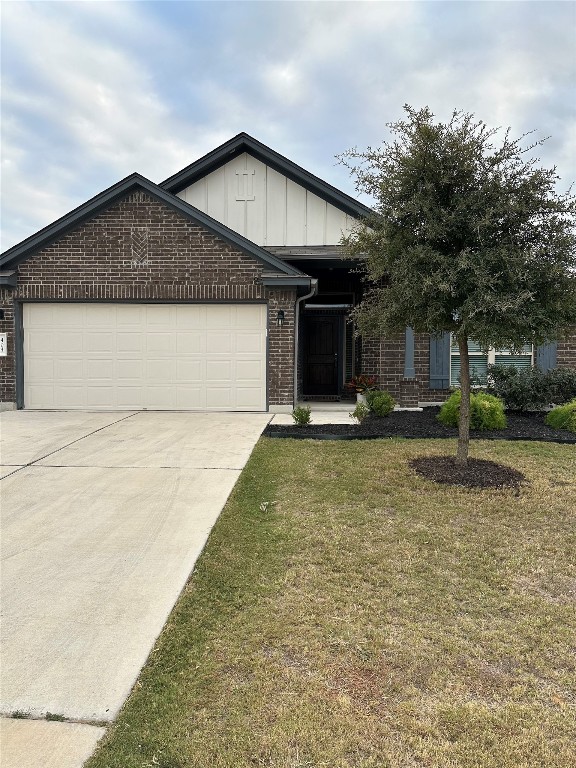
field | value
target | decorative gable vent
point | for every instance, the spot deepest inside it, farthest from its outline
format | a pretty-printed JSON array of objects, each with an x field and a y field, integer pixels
[{"x": 139, "y": 242}]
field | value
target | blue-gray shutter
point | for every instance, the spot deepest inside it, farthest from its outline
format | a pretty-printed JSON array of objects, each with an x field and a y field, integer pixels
[
  {"x": 546, "y": 356},
  {"x": 440, "y": 361}
]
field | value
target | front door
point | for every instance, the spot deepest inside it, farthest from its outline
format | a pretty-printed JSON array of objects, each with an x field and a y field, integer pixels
[{"x": 323, "y": 339}]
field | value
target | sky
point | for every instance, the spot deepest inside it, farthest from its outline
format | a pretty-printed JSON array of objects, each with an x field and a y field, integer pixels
[{"x": 94, "y": 91}]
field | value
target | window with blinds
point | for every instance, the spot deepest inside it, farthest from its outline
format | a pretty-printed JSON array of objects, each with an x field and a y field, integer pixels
[{"x": 480, "y": 360}]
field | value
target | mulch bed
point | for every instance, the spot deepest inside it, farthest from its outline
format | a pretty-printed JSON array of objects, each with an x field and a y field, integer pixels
[
  {"x": 423, "y": 424},
  {"x": 477, "y": 473}
]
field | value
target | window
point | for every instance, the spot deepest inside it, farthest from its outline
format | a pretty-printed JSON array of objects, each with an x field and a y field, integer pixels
[{"x": 479, "y": 361}]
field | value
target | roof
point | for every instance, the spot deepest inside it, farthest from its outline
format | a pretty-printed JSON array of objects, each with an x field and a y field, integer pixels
[
  {"x": 245, "y": 143},
  {"x": 99, "y": 203}
]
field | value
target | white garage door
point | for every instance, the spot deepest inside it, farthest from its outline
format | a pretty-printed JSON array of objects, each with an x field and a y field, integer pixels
[{"x": 156, "y": 356}]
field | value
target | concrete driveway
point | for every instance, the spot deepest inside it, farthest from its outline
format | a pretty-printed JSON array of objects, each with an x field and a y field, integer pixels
[{"x": 103, "y": 518}]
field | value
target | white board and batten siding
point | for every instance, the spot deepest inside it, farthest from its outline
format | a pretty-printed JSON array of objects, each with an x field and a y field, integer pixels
[
  {"x": 265, "y": 206},
  {"x": 145, "y": 356}
]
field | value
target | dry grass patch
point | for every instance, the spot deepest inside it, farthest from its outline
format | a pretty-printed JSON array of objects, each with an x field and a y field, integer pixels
[{"x": 370, "y": 618}]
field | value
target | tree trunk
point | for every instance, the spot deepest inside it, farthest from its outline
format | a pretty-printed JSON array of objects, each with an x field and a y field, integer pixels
[{"x": 464, "y": 421}]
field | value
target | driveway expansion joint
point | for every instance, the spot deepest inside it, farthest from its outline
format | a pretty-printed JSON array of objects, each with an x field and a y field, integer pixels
[{"x": 62, "y": 447}]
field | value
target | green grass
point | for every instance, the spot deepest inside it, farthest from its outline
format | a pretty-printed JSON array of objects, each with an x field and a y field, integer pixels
[{"x": 369, "y": 618}]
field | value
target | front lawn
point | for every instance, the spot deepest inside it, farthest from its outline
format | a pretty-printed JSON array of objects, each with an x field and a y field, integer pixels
[{"x": 349, "y": 613}]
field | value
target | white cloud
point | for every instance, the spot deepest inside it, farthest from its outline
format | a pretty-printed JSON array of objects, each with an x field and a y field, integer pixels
[{"x": 95, "y": 91}]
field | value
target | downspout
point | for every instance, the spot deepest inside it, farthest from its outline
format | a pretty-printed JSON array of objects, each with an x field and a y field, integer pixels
[{"x": 314, "y": 284}]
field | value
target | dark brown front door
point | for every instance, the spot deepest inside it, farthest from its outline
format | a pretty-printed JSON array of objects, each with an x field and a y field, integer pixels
[{"x": 322, "y": 337}]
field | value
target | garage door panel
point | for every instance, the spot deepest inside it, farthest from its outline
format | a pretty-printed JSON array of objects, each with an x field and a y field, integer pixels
[
  {"x": 161, "y": 370},
  {"x": 100, "y": 396},
  {"x": 161, "y": 342},
  {"x": 220, "y": 316},
  {"x": 247, "y": 398},
  {"x": 218, "y": 371},
  {"x": 218, "y": 342},
  {"x": 68, "y": 342},
  {"x": 250, "y": 343},
  {"x": 131, "y": 316},
  {"x": 70, "y": 395},
  {"x": 249, "y": 371},
  {"x": 161, "y": 397},
  {"x": 129, "y": 369},
  {"x": 189, "y": 370},
  {"x": 128, "y": 356},
  {"x": 39, "y": 369},
  {"x": 191, "y": 317},
  {"x": 160, "y": 316},
  {"x": 252, "y": 317},
  {"x": 41, "y": 396},
  {"x": 42, "y": 342},
  {"x": 100, "y": 368},
  {"x": 219, "y": 397},
  {"x": 100, "y": 315},
  {"x": 100, "y": 342},
  {"x": 193, "y": 341},
  {"x": 70, "y": 368},
  {"x": 130, "y": 397},
  {"x": 190, "y": 397},
  {"x": 130, "y": 341}
]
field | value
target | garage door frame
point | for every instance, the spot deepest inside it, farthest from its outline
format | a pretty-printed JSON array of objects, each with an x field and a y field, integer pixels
[{"x": 19, "y": 332}]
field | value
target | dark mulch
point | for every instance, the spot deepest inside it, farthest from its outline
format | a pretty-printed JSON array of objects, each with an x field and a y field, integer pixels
[
  {"x": 423, "y": 424},
  {"x": 477, "y": 473}
]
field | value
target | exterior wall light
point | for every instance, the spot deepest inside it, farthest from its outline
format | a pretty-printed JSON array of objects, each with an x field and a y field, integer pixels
[{"x": 280, "y": 318}]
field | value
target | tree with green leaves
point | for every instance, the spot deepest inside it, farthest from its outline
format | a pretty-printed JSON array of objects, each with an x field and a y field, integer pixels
[{"x": 467, "y": 237}]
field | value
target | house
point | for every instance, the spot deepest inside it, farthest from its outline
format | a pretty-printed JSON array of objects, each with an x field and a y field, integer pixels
[{"x": 222, "y": 288}]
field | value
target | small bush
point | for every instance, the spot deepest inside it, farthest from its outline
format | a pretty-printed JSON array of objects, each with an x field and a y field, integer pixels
[
  {"x": 301, "y": 415},
  {"x": 486, "y": 411},
  {"x": 525, "y": 389},
  {"x": 360, "y": 412},
  {"x": 562, "y": 384},
  {"x": 563, "y": 417},
  {"x": 381, "y": 403},
  {"x": 529, "y": 389}
]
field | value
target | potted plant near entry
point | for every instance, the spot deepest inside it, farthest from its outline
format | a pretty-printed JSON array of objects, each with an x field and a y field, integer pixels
[{"x": 361, "y": 384}]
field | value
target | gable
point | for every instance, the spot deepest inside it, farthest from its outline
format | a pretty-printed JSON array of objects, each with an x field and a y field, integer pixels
[
  {"x": 266, "y": 206},
  {"x": 140, "y": 185}
]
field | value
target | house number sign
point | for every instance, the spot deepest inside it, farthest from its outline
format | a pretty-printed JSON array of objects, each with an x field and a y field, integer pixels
[{"x": 3, "y": 345}]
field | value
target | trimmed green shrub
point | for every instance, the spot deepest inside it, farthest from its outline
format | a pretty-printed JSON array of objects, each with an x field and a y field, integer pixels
[
  {"x": 360, "y": 412},
  {"x": 525, "y": 389},
  {"x": 562, "y": 383},
  {"x": 529, "y": 389},
  {"x": 380, "y": 402},
  {"x": 563, "y": 417},
  {"x": 301, "y": 415},
  {"x": 486, "y": 411}
]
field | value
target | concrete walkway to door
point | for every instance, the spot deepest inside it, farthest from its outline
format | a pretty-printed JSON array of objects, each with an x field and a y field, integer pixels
[{"x": 103, "y": 518}]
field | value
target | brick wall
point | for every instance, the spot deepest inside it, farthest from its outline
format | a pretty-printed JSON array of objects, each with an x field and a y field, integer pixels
[
  {"x": 140, "y": 249},
  {"x": 385, "y": 358},
  {"x": 566, "y": 355}
]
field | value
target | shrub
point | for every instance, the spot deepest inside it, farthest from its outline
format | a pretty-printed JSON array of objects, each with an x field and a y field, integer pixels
[
  {"x": 381, "y": 403},
  {"x": 562, "y": 384},
  {"x": 360, "y": 412},
  {"x": 301, "y": 415},
  {"x": 530, "y": 389},
  {"x": 525, "y": 389},
  {"x": 486, "y": 411},
  {"x": 563, "y": 417}
]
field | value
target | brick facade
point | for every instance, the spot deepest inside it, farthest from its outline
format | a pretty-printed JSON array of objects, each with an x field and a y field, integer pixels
[
  {"x": 385, "y": 359},
  {"x": 140, "y": 249}
]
